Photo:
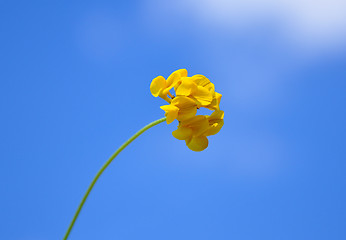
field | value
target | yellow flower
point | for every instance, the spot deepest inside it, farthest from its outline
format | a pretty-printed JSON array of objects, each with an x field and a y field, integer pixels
[
  {"x": 199, "y": 87},
  {"x": 195, "y": 130},
  {"x": 181, "y": 108},
  {"x": 214, "y": 105},
  {"x": 192, "y": 93},
  {"x": 215, "y": 123},
  {"x": 160, "y": 87}
]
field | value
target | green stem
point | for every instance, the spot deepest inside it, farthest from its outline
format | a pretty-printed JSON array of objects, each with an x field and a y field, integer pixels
[{"x": 122, "y": 147}]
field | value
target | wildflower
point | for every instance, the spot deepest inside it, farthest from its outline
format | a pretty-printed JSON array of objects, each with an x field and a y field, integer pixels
[
  {"x": 160, "y": 87},
  {"x": 195, "y": 130},
  {"x": 199, "y": 88},
  {"x": 192, "y": 93},
  {"x": 215, "y": 123},
  {"x": 181, "y": 108}
]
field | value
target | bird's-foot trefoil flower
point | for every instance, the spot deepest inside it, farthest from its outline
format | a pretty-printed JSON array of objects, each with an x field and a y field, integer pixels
[
  {"x": 160, "y": 87},
  {"x": 181, "y": 108},
  {"x": 191, "y": 93},
  {"x": 196, "y": 130},
  {"x": 199, "y": 88}
]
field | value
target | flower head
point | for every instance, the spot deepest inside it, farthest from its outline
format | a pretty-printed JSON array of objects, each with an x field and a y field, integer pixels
[
  {"x": 192, "y": 93},
  {"x": 160, "y": 87}
]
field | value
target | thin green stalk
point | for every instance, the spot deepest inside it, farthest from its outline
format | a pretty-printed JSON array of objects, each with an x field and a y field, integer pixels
[{"x": 122, "y": 147}]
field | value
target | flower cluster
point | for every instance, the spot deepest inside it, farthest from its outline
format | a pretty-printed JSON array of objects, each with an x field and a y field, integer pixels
[{"x": 192, "y": 93}]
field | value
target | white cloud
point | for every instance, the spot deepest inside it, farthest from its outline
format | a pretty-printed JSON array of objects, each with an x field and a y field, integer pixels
[{"x": 308, "y": 24}]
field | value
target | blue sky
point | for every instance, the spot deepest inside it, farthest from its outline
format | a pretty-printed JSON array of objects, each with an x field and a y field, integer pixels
[{"x": 75, "y": 79}]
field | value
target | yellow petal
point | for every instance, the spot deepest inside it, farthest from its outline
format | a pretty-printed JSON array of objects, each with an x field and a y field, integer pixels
[
  {"x": 186, "y": 113},
  {"x": 182, "y": 133},
  {"x": 187, "y": 107},
  {"x": 215, "y": 123},
  {"x": 186, "y": 88},
  {"x": 195, "y": 121},
  {"x": 199, "y": 124},
  {"x": 214, "y": 128},
  {"x": 157, "y": 85},
  {"x": 183, "y": 102},
  {"x": 171, "y": 112},
  {"x": 218, "y": 97},
  {"x": 203, "y": 96},
  {"x": 214, "y": 105},
  {"x": 173, "y": 80},
  {"x": 197, "y": 144},
  {"x": 202, "y": 81},
  {"x": 182, "y": 72},
  {"x": 217, "y": 115}
]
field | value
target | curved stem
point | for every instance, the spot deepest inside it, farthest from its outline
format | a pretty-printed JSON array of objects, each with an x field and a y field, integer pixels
[{"x": 122, "y": 147}]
